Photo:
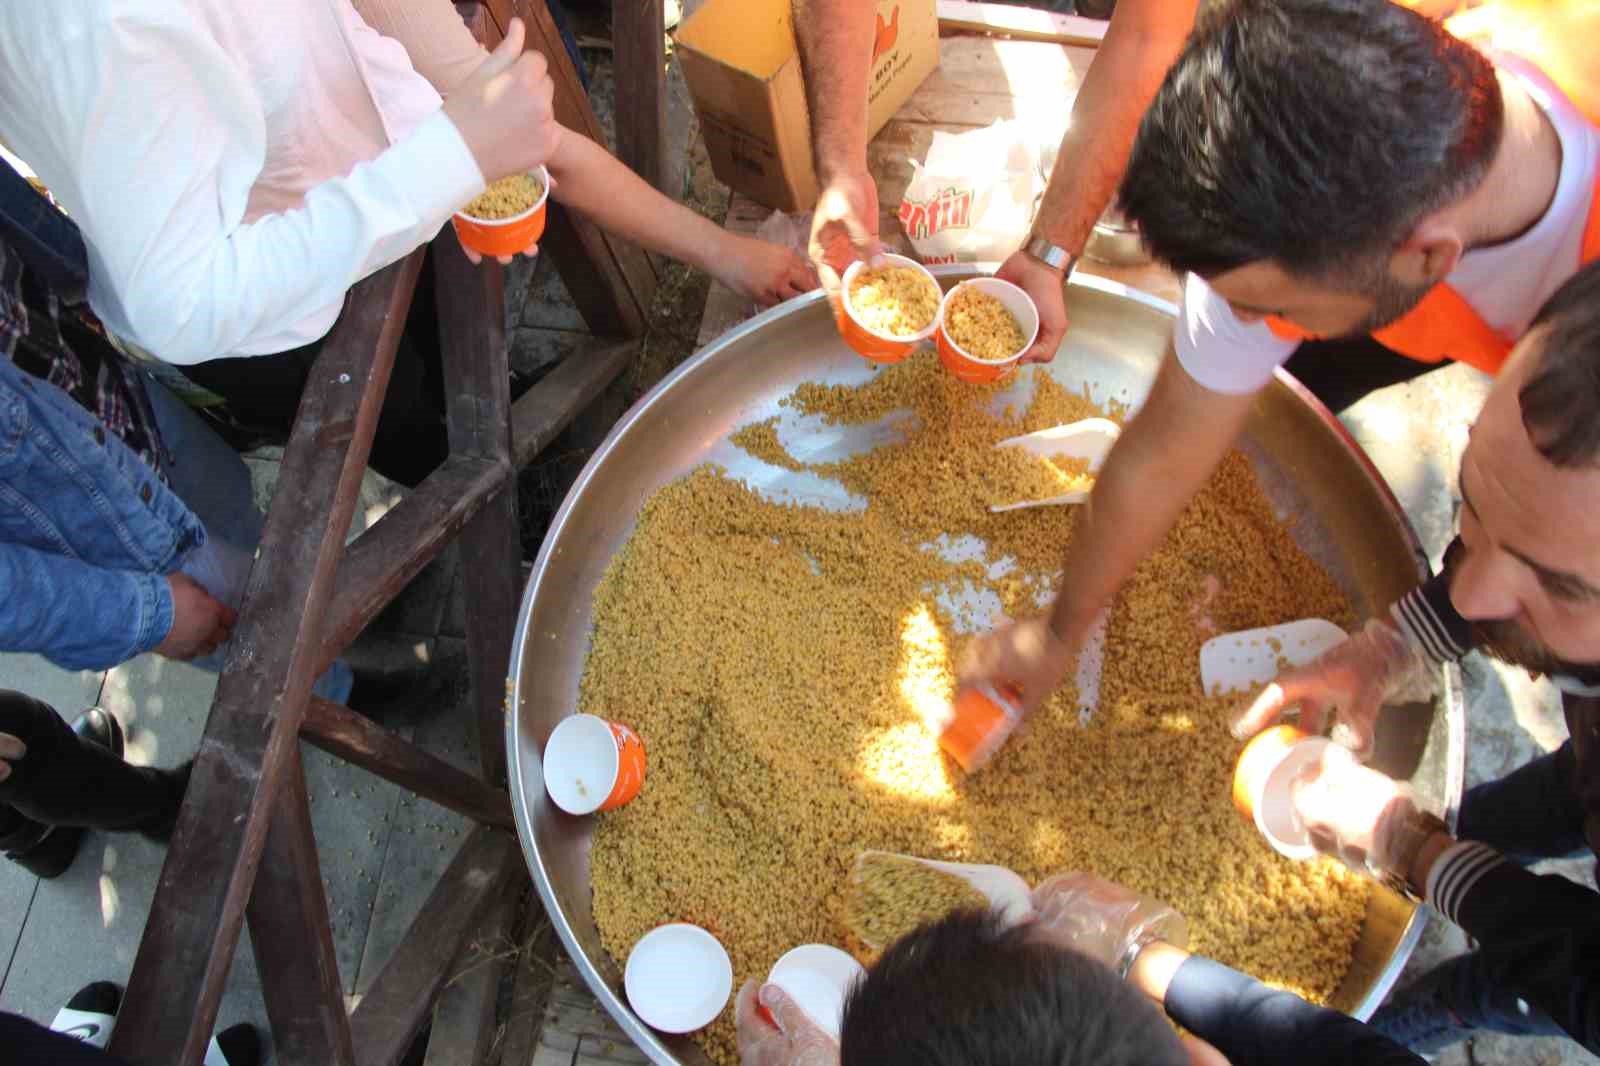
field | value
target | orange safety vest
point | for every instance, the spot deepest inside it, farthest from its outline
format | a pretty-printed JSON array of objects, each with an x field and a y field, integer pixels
[{"x": 1444, "y": 326}]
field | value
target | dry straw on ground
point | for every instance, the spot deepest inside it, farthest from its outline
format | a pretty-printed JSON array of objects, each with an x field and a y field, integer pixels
[{"x": 779, "y": 659}]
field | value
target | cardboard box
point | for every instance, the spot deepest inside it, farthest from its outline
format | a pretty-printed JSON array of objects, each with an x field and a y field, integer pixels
[{"x": 743, "y": 69}]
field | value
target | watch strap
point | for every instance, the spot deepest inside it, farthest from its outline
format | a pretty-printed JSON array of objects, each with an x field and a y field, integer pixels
[{"x": 1051, "y": 255}]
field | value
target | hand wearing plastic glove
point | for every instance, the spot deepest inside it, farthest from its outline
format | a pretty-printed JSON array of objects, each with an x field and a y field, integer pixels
[
  {"x": 1103, "y": 920},
  {"x": 844, "y": 227},
  {"x": 1365, "y": 819},
  {"x": 789, "y": 1039},
  {"x": 1352, "y": 681},
  {"x": 1044, "y": 284}
]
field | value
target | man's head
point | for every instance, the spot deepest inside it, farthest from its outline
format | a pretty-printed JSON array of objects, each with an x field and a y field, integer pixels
[
  {"x": 1527, "y": 572},
  {"x": 1300, "y": 152},
  {"x": 969, "y": 990}
]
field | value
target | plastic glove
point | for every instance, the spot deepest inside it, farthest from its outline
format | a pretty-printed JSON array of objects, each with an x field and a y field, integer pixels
[
  {"x": 1353, "y": 680},
  {"x": 1104, "y": 920},
  {"x": 1357, "y": 815},
  {"x": 789, "y": 1038}
]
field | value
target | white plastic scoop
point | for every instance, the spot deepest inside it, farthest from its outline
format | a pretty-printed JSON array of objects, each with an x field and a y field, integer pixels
[
  {"x": 1246, "y": 660},
  {"x": 1006, "y": 891},
  {"x": 1089, "y": 439}
]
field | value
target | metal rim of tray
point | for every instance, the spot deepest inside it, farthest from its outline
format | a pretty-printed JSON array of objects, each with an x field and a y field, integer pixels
[{"x": 645, "y": 1038}]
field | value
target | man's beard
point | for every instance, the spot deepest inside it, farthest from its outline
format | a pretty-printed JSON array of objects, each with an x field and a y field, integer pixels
[
  {"x": 1509, "y": 642},
  {"x": 1391, "y": 301}
]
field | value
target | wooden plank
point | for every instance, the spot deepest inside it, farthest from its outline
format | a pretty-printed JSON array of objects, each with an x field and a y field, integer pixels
[
  {"x": 478, "y": 412},
  {"x": 1024, "y": 23},
  {"x": 530, "y": 991},
  {"x": 638, "y": 34},
  {"x": 254, "y": 725},
  {"x": 385, "y": 558},
  {"x": 464, "y": 1023},
  {"x": 992, "y": 66},
  {"x": 289, "y": 929},
  {"x": 611, "y": 281},
  {"x": 394, "y": 1009},
  {"x": 361, "y": 742},
  {"x": 577, "y": 1030},
  {"x": 541, "y": 413},
  {"x": 480, "y": 22}
]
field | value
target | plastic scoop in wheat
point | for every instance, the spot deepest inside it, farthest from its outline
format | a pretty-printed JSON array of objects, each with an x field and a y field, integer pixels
[
  {"x": 882, "y": 903},
  {"x": 1244, "y": 661},
  {"x": 1088, "y": 439}
]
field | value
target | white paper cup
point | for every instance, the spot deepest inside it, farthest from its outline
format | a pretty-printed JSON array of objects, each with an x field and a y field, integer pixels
[
  {"x": 818, "y": 977},
  {"x": 591, "y": 764},
  {"x": 678, "y": 978}
]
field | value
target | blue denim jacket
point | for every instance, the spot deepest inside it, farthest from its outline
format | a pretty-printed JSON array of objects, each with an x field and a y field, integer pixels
[{"x": 87, "y": 533}]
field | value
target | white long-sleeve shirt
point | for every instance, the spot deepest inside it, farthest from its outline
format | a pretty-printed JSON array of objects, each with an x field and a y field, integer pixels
[{"x": 235, "y": 166}]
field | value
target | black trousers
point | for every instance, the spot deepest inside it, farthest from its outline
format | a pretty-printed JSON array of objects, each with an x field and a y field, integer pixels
[
  {"x": 31, "y": 1044},
  {"x": 263, "y": 393},
  {"x": 66, "y": 780},
  {"x": 1340, "y": 372}
]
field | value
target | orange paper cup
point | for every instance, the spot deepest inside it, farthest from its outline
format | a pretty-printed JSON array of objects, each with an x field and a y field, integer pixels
[
  {"x": 981, "y": 720},
  {"x": 591, "y": 764},
  {"x": 969, "y": 367},
  {"x": 1263, "y": 782},
  {"x": 870, "y": 343},
  {"x": 505, "y": 236}
]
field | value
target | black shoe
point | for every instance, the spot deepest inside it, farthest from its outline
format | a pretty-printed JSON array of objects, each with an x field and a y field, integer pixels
[
  {"x": 241, "y": 1045},
  {"x": 101, "y": 998},
  {"x": 43, "y": 850},
  {"x": 158, "y": 827},
  {"x": 100, "y": 727}
]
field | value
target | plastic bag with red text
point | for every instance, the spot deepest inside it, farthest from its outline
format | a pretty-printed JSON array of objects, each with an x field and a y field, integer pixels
[{"x": 973, "y": 198}]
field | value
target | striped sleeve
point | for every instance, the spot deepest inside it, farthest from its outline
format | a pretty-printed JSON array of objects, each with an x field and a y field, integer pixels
[
  {"x": 1456, "y": 873},
  {"x": 1429, "y": 619}
]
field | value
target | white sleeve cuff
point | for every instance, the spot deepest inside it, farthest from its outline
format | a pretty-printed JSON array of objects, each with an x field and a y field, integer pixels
[
  {"x": 1218, "y": 350},
  {"x": 435, "y": 168}
]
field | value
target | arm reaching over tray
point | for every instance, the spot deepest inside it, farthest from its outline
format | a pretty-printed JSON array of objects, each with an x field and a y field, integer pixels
[{"x": 1162, "y": 459}]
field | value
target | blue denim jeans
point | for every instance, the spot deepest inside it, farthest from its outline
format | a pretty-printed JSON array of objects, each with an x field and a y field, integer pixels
[
  {"x": 1532, "y": 813},
  {"x": 210, "y": 477}
]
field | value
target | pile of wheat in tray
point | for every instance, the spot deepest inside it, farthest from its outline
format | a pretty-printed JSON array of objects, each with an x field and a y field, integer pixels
[{"x": 778, "y": 660}]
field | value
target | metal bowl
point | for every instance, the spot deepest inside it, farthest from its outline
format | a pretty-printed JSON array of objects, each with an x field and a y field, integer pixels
[
  {"x": 1116, "y": 241},
  {"x": 1309, "y": 467}
]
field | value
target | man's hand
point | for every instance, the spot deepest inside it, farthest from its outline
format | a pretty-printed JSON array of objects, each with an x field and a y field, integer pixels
[
  {"x": 505, "y": 112},
  {"x": 1043, "y": 283},
  {"x": 200, "y": 623},
  {"x": 1102, "y": 919},
  {"x": 844, "y": 227},
  {"x": 1352, "y": 812},
  {"x": 1351, "y": 681},
  {"x": 1026, "y": 654},
  {"x": 765, "y": 272},
  {"x": 11, "y": 749},
  {"x": 789, "y": 1039}
]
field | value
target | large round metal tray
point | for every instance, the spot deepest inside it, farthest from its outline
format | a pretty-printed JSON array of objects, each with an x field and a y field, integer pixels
[{"x": 1345, "y": 517}]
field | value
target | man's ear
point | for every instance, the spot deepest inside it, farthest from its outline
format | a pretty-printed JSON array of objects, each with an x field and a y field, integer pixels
[
  {"x": 1427, "y": 256},
  {"x": 1202, "y": 1053}
]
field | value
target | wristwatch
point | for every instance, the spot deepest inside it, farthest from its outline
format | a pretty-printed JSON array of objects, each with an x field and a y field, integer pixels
[{"x": 1051, "y": 255}]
